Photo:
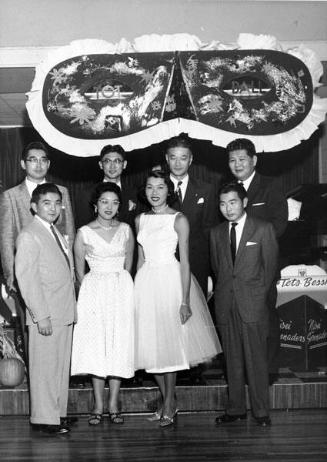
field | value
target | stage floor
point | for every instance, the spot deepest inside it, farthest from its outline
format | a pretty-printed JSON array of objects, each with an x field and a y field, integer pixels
[{"x": 294, "y": 436}]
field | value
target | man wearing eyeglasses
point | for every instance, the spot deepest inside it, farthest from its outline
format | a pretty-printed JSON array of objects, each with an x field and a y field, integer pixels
[
  {"x": 15, "y": 209},
  {"x": 112, "y": 162}
]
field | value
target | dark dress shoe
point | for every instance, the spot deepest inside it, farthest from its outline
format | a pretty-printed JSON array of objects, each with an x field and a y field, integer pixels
[
  {"x": 67, "y": 421},
  {"x": 227, "y": 418},
  {"x": 51, "y": 429},
  {"x": 263, "y": 421}
]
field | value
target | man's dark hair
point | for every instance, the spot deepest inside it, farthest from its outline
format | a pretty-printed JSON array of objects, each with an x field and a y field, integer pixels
[
  {"x": 242, "y": 143},
  {"x": 180, "y": 141},
  {"x": 43, "y": 189},
  {"x": 233, "y": 186},
  {"x": 112, "y": 148},
  {"x": 34, "y": 145}
]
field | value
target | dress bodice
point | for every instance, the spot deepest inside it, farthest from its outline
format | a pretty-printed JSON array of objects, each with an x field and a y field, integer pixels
[
  {"x": 102, "y": 256},
  {"x": 158, "y": 238}
]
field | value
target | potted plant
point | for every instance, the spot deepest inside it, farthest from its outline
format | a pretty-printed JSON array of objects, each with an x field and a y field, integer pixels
[{"x": 12, "y": 367}]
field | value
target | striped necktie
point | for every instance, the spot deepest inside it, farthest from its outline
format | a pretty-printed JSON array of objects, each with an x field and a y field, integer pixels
[
  {"x": 59, "y": 244},
  {"x": 179, "y": 191}
]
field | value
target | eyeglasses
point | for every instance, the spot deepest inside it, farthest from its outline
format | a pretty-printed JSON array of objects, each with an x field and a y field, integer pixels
[
  {"x": 115, "y": 162},
  {"x": 36, "y": 160}
]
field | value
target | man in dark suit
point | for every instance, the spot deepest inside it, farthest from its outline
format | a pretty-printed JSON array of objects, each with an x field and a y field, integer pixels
[
  {"x": 266, "y": 201},
  {"x": 244, "y": 254},
  {"x": 265, "y": 197},
  {"x": 196, "y": 199},
  {"x": 112, "y": 162}
]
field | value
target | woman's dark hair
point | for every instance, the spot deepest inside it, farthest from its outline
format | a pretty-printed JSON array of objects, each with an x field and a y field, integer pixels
[
  {"x": 170, "y": 185},
  {"x": 103, "y": 187}
]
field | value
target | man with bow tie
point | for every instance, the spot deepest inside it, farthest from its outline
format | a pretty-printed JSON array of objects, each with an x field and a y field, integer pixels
[
  {"x": 196, "y": 199},
  {"x": 244, "y": 255}
]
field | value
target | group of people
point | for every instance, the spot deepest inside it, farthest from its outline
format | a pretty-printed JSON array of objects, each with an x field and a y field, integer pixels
[{"x": 159, "y": 322}]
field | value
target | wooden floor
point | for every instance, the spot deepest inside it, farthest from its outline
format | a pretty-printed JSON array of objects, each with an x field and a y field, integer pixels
[{"x": 299, "y": 435}]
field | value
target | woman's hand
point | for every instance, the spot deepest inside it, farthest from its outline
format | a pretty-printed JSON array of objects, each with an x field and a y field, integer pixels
[{"x": 185, "y": 312}]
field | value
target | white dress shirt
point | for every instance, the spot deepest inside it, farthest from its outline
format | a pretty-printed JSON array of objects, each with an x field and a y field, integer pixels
[
  {"x": 31, "y": 185},
  {"x": 183, "y": 184},
  {"x": 238, "y": 229},
  {"x": 60, "y": 237},
  {"x": 247, "y": 182}
]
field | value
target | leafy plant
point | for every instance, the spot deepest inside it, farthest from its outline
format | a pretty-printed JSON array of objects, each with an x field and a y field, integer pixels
[{"x": 7, "y": 346}]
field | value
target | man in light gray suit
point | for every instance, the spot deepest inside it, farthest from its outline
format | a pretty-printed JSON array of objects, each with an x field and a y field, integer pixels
[
  {"x": 45, "y": 275},
  {"x": 15, "y": 210},
  {"x": 244, "y": 254}
]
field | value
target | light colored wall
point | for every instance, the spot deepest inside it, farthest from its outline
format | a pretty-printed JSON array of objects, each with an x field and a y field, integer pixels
[{"x": 57, "y": 22}]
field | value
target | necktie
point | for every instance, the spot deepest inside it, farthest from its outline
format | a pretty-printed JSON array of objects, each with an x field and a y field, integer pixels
[
  {"x": 233, "y": 241},
  {"x": 179, "y": 191},
  {"x": 59, "y": 243},
  {"x": 241, "y": 183}
]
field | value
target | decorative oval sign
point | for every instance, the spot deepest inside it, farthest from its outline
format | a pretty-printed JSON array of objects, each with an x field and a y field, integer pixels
[
  {"x": 250, "y": 92},
  {"x": 101, "y": 96}
]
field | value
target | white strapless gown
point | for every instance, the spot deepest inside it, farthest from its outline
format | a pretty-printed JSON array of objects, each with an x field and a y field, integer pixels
[
  {"x": 163, "y": 344},
  {"x": 103, "y": 340}
]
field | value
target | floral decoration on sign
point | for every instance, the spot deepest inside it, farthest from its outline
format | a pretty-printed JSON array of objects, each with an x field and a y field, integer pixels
[
  {"x": 104, "y": 96},
  {"x": 138, "y": 93},
  {"x": 256, "y": 92}
]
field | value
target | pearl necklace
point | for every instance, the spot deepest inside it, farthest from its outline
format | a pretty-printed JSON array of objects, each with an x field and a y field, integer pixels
[
  {"x": 106, "y": 228},
  {"x": 158, "y": 211}
]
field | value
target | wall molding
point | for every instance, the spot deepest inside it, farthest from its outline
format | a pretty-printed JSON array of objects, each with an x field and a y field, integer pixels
[{"x": 32, "y": 56}]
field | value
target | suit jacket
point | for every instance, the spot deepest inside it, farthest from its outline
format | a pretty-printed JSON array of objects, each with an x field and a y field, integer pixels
[
  {"x": 266, "y": 201},
  {"x": 15, "y": 213},
  {"x": 128, "y": 209},
  {"x": 45, "y": 280},
  {"x": 201, "y": 209},
  {"x": 246, "y": 283}
]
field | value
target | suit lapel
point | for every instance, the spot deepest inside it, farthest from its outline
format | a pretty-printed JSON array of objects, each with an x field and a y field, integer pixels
[
  {"x": 247, "y": 232},
  {"x": 254, "y": 187},
  {"x": 53, "y": 246},
  {"x": 24, "y": 197},
  {"x": 190, "y": 196},
  {"x": 225, "y": 243}
]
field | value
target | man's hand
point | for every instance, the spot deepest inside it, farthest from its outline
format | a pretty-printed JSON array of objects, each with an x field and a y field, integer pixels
[{"x": 45, "y": 327}]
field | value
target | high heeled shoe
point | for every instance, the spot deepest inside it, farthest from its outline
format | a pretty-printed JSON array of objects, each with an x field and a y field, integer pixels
[
  {"x": 166, "y": 420},
  {"x": 155, "y": 416}
]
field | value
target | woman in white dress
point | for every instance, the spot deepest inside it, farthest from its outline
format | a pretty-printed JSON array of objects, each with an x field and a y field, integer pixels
[
  {"x": 103, "y": 341},
  {"x": 174, "y": 329}
]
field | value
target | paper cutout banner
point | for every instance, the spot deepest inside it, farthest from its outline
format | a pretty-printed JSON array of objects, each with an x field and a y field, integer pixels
[{"x": 88, "y": 95}]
